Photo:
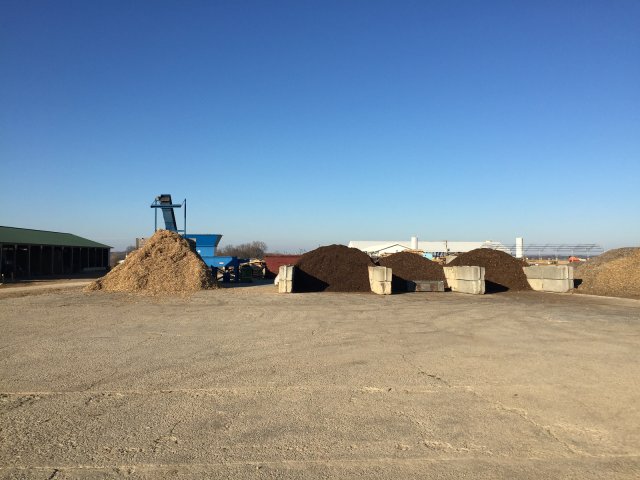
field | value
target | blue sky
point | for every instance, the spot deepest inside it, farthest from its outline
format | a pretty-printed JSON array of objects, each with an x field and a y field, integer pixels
[{"x": 305, "y": 123}]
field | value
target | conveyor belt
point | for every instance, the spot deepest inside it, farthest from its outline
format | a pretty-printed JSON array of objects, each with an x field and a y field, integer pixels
[{"x": 167, "y": 212}]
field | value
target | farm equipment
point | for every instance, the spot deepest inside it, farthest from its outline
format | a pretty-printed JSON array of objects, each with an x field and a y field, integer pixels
[{"x": 205, "y": 244}]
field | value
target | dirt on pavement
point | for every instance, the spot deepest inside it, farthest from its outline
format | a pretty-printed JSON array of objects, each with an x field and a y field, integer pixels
[{"x": 245, "y": 383}]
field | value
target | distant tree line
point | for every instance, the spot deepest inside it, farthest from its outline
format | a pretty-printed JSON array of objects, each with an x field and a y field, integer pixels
[
  {"x": 254, "y": 249},
  {"x": 116, "y": 257}
]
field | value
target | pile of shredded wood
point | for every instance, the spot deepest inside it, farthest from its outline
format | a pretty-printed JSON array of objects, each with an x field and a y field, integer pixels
[
  {"x": 615, "y": 273},
  {"x": 165, "y": 264}
]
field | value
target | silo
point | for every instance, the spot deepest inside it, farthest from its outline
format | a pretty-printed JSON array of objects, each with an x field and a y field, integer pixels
[{"x": 519, "y": 247}]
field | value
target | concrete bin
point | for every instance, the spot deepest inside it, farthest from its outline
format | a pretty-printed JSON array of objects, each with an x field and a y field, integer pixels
[
  {"x": 380, "y": 280},
  {"x": 465, "y": 279},
  {"x": 285, "y": 278},
  {"x": 550, "y": 278}
]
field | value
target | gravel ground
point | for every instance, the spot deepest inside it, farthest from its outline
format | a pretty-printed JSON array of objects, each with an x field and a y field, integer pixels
[{"x": 245, "y": 383}]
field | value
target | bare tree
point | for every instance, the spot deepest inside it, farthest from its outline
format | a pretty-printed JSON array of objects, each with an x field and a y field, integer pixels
[
  {"x": 255, "y": 249},
  {"x": 116, "y": 257}
]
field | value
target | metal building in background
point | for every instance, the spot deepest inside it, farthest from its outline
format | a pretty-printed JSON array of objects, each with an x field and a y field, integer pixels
[
  {"x": 520, "y": 249},
  {"x": 377, "y": 248},
  {"x": 27, "y": 253}
]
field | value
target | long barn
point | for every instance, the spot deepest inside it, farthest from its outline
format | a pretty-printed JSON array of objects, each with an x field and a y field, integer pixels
[{"x": 27, "y": 253}]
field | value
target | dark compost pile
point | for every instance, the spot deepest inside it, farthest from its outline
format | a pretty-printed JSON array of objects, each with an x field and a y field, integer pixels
[
  {"x": 502, "y": 272},
  {"x": 333, "y": 268},
  {"x": 407, "y": 266}
]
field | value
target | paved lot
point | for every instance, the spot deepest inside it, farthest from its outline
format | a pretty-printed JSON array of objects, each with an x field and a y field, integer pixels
[{"x": 245, "y": 383}]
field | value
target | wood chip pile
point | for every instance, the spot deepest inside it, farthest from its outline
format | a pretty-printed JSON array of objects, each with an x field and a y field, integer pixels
[
  {"x": 615, "y": 273},
  {"x": 165, "y": 264}
]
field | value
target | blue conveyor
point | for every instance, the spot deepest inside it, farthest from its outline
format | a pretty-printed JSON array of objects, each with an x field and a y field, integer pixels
[{"x": 164, "y": 203}]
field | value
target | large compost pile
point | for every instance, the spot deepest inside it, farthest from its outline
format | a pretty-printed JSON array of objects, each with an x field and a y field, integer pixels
[
  {"x": 165, "y": 264},
  {"x": 615, "y": 273},
  {"x": 334, "y": 268},
  {"x": 407, "y": 266},
  {"x": 502, "y": 272}
]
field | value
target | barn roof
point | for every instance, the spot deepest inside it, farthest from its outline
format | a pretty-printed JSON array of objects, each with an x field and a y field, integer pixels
[{"x": 28, "y": 236}]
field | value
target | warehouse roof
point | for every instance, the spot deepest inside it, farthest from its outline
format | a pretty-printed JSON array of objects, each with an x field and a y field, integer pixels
[{"x": 27, "y": 236}]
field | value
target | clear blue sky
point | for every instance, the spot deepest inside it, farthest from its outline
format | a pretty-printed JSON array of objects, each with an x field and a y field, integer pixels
[{"x": 304, "y": 123}]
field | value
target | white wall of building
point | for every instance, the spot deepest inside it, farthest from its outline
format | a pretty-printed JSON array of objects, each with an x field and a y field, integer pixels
[{"x": 379, "y": 247}]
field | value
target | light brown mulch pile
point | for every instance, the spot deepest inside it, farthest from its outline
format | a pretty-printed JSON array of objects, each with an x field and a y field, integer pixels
[
  {"x": 615, "y": 273},
  {"x": 165, "y": 264}
]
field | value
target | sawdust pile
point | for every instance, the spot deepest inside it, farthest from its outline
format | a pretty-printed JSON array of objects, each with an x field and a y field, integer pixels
[
  {"x": 165, "y": 264},
  {"x": 615, "y": 273}
]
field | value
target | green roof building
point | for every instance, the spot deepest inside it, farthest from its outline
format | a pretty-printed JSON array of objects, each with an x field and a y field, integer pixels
[{"x": 27, "y": 253}]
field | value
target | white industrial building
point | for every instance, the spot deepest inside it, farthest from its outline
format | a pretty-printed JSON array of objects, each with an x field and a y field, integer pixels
[{"x": 441, "y": 248}]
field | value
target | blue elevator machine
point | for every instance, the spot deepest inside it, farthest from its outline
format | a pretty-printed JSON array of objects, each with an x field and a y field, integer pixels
[
  {"x": 164, "y": 203},
  {"x": 205, "y": 243}
]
